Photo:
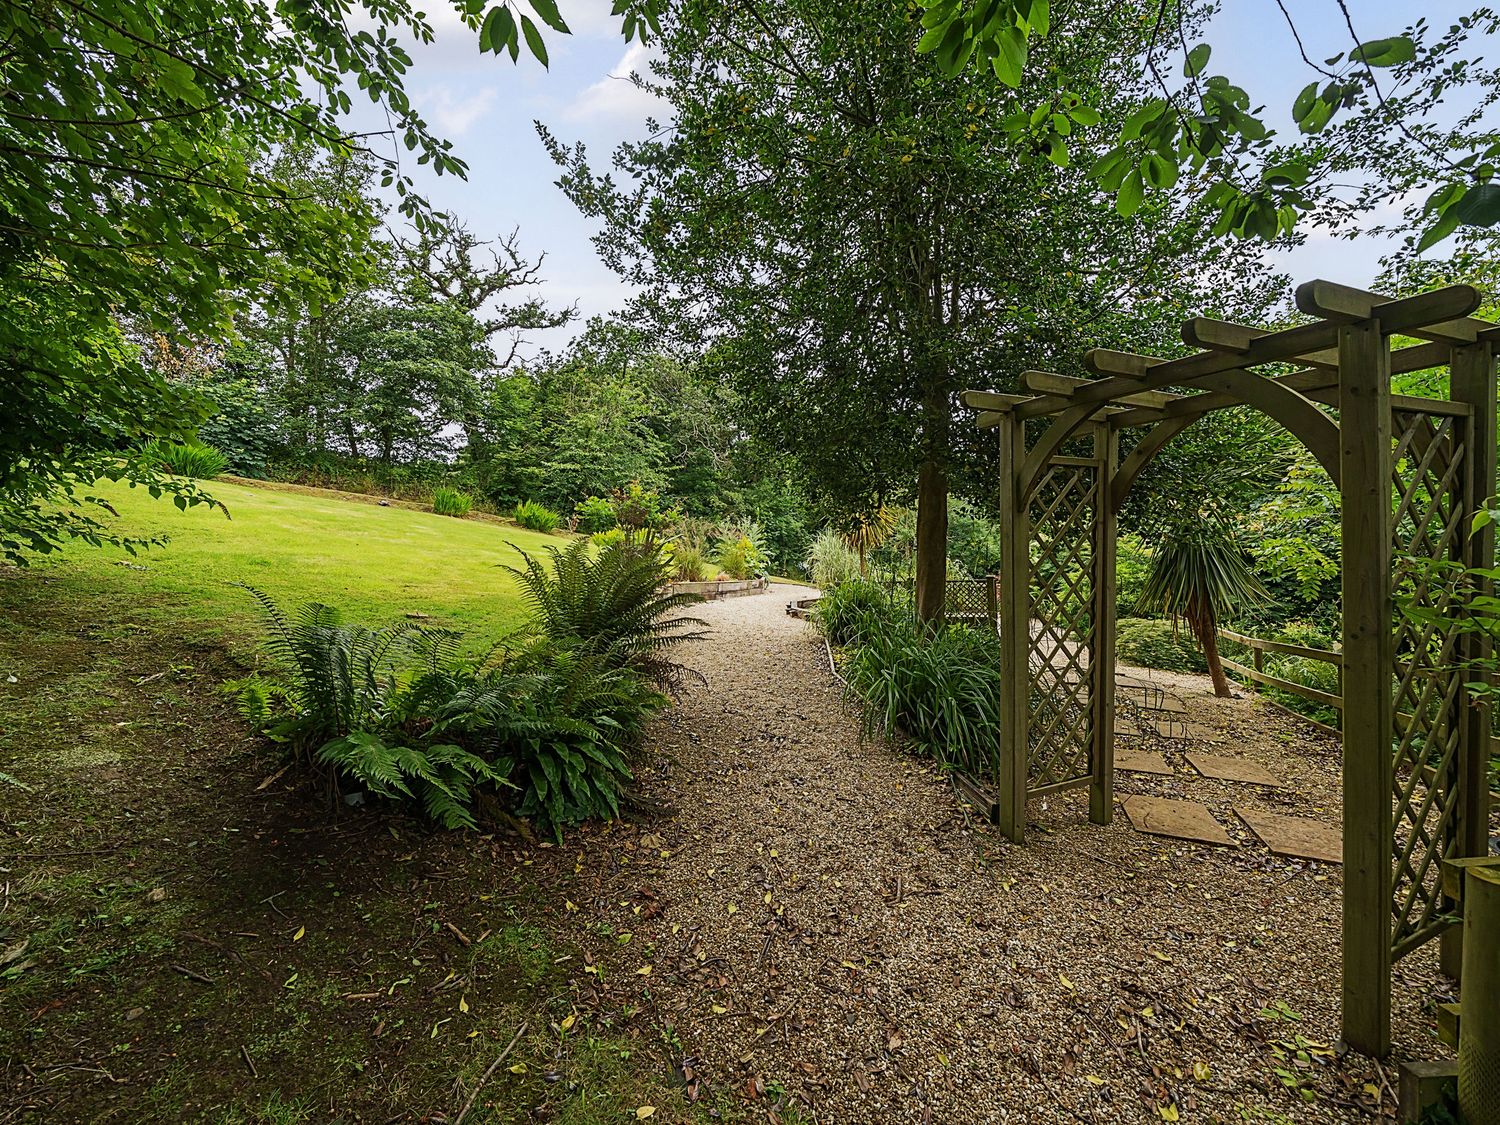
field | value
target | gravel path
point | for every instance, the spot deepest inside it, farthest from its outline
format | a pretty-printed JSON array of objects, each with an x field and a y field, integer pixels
[{"x": 818, "y": 928}]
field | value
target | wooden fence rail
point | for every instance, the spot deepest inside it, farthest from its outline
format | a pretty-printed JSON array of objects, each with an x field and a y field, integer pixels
[{"x": 1257, "y": 674}]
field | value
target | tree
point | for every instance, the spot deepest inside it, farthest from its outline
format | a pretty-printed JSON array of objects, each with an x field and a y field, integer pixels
[
  {"x": 136, "y": 180},
  {"x": 1199, "y": 574},
  {"x": 853, "y": 236},
  {"x": 1383, "y": 94}
]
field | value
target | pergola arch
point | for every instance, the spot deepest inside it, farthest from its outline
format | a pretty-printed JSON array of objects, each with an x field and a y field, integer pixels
[{"x": 1415, "y": 746}]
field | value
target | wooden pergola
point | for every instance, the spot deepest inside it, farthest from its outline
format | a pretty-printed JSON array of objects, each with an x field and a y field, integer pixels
[{"x": 1411, "y": 472}]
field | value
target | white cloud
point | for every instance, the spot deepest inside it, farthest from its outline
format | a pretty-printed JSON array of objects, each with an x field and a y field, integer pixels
[
  {"x": 615, "y": 96},
  {"x": 453, "y": 113}
]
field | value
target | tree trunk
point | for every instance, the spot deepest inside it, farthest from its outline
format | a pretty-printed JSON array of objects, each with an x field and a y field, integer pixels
[
  {"x": 932, "y": 541},
  {"x": 1207, "y": 628}
]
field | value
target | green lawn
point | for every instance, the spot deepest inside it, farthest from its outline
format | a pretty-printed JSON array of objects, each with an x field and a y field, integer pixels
[{"x": 376, "y": 564}]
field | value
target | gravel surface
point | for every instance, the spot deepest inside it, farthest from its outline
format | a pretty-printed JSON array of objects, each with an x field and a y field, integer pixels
[{"x": 819, "y": 930}]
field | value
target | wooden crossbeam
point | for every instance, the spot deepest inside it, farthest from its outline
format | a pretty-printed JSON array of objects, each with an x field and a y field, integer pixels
[
  {"x": 1318, "y": 384},
  {"x": 1226, "y": 336},
  {"x": 1406, "y": 315},
  {"x": 1332, "y": 301},
  {"x": 1048, "y": 383},
  {"x": 994, "y": 405}
]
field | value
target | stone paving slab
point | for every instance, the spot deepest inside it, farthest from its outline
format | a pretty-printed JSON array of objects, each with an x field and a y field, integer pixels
[
  {"x": 1141, "y": 761},
  {"x": 1163, "y": 725},
  {"x": 1295, "y": 836},
  {"x": 1181, "y": 820},
  {"x": 1232, "y": 769}
]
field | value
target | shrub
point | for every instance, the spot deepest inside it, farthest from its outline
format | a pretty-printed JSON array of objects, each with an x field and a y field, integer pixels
[
  {"x": 688, "y": 563},
  {"x": 742, "y": 552},
  {"x": 537, "y": 517},
  {"x": 190, "y": 459},
  {"x": 842, "y": 611},
  {"x": 451, "y": 502},
  {"x": 609, "y": 601},
  {"x": 595, "y": 514},
  {"x": 1152, "y": 643},
  {"x": 830, "y": 561},
  {"x": 638, "y": 508},
  {"x": 399, "y": 713},
  {"x": 941, "y": 689}
]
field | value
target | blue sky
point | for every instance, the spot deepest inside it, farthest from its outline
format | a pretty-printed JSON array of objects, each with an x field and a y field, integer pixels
[{"x": 486, "y": 106}]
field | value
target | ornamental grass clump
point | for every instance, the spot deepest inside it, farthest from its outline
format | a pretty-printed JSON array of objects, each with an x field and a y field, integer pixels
[
  {"x": 939, "y": 689},
  {"x": 451, "y": 502},
  {"x": 193, "y": 459}
]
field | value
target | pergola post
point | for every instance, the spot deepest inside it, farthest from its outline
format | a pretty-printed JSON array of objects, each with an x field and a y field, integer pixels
[
  {"x": 1365, "y": 460},
  {"x": 1472, "y": 382},
  {"x": 1102, "y": 660},
  {"x": 1015, "y": 630}
]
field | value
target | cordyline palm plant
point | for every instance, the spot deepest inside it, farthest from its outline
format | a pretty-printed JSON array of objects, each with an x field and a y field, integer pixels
[
  {"x": 867, "y": 532},
  {"x": 1199, "y": 574},
  {"x": 611, "y": 601}
]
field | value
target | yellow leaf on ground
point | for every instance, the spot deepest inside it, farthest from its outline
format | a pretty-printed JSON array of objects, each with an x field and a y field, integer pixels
[
  {"x": 568, "y": 1022},
  {"x": 1167, "y": 1112},
  {"x": 1066, "y": 983},
  {"x": 463, "y": 1003},
  {"x": 718, "y": 1009},
  {"x": 1201, "y": 1071},
  {"x": 644, "y": 1112},
  {"x": 643, "y": 971},
  {"x": 301, "y": 932},
  {"x": 570, "y": 906},
  {"x": 731, "y": 908},
  {"x": 1093, "y": 1080},
  {"x": 519, "y": 1068}
]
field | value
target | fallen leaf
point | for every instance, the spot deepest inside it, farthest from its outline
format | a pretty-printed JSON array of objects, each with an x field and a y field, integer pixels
[
  {"x": 1201, "y": 1071},
  {"x": 568, "y": 1022},
  {"x": 519, "y": 1068},
  {"x": 718, "y": 1009},
  {"x": 1066, "y": 983},
  {"x": 643, "y": 971},
  {"x": 463, "y": 1003},
  {"x": 301, "y": 932},
  {"x": 731, "y": 908},
  {"x": 644, "y": 1112}
]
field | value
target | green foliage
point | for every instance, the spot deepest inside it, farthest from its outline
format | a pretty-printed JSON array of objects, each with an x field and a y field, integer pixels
[
  {"x": 1132, "y": 565},
  {"x": 595, "y": 513},
  {"x": 537, "y": 517},
  {"x": 609, "y": 601},
  {"x": 688, "y": 563},
  {"x": 638, "y": 508},
  {"x": 830, "y": 561},
  {"x": 242, "y": 423},
  {"x": 845, "y": 609},
  {"x": 191, "y": 459},
  {"x": 1149, "y": 642},
  {"x": 973, "y": 540},
  {"x": 940, "y": 689},
  {"x": 1199, "y": 575},
  {"x": 452, "y": 502},
  {"x": 398, "y": 713}
]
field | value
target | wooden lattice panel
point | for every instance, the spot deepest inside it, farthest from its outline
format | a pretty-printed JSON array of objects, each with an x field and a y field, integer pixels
[
  {"x": 1429, "y": 535},
  {"x": 1060, "y": 672},
  {"x": 968, "y": 602}
]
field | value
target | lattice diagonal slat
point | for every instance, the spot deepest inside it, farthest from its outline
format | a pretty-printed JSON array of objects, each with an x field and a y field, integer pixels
[
  {"x": 1427, "y": 532},
  {"x": 1060, "y": 677}
]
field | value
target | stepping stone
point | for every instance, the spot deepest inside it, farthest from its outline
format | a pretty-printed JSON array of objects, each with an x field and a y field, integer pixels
[
  {"x": 1295, "y": 836},
  {"x": 1202, "y": 732},
  {"x": 1124, "y": 724},
  {"x": 1165, "y": 726},
  {"x": 1141, "y": 761},
  {"x": 1181, "y": 820},
  {"x": 1232, "y": 769},
  {"x": 1169, "y": 703}
]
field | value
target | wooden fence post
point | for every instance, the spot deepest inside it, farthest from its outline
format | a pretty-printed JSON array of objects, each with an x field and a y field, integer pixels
[
  {"x": 1365, "y": 460},
  {"x": 1472, "y": 381},
  {"x": 1015, "y": 632},
  {"x": 1102, "y": 659}
]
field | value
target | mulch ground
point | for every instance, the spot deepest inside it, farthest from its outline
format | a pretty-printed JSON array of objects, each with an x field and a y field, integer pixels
[{"x": 823, "y": 928}]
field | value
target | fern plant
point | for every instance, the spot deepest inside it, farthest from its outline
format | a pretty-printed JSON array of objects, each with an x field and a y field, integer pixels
[
  {"x": 611, "y": 601},
  {"x": 188, "y": 459}
]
